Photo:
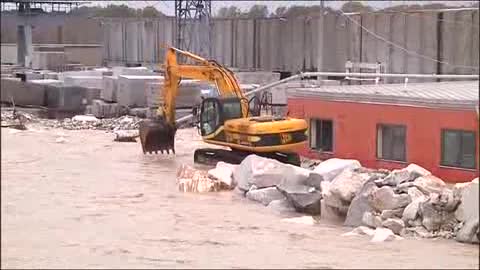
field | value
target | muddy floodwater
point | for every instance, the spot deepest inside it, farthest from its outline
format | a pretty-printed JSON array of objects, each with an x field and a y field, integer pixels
[{"x": 90, "y": 202}]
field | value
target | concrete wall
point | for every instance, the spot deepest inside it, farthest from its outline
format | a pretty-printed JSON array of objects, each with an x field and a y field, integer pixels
[
  {"x": 292, "y": 45},
  {"x": 284, "y": 45},
  {"x": 54, "y": 29},
  {"x": 86, "y": 54},
  {"x": 136, "y": 41}
]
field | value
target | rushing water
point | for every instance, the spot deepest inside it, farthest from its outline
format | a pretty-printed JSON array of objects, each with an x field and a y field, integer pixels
[{"x": 91, "y": 202}]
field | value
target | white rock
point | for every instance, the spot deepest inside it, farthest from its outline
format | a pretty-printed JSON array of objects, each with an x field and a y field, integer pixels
[
  {"x": 307, "y": 220},
  {"x": 437, "y": 211},
  {"x": 348, "y": 183},
  {"x": 418, "y": 169},
  {"x": 469, "y": 206},
  {"x": 259, "y": 171},
  {"x": 415, "y": 193},
  {"x": 430, "y": 183},
  {"x": 325, "y": 188},
  {"x": 223, "y": 172},
  {"x": 391, "y": 213},
  {"x": 469, "y": 233},
  {"x": 125, "y": 135},
  {"x": 193, "y": 180},
  {"x": 281, "y": 206},
  {"x": 359, "y": 205},
  {"x": 384, "y": 234},
  {"x": 61, "y": 140},
  {"x": 126, "y": 120},
  {"x": 361, "y": 230},
  {"x": 85, "y": 118},
  {"x": 384, "y": 198},
  {"x": 411, "y": 211},
  {"x": 396, "y": 225},
  {"x": 265, "y": 195},
  {"x": 330, "y": 168},
  {"x": 371, "y": 220},
  {"x": 421, "y": 232}
]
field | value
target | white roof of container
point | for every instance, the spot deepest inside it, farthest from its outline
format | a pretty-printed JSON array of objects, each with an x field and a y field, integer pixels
[{"x": 452, "y": 94}]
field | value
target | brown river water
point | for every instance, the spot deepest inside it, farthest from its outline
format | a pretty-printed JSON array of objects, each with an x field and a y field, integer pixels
[{"x": 93, "y": 203}]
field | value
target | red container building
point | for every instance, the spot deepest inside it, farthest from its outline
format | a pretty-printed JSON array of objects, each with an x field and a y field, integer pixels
[{"x": 434, "y": 125}]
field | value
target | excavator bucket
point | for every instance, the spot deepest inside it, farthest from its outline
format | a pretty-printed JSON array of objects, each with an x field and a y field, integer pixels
[{"x": 157, "y": 135}]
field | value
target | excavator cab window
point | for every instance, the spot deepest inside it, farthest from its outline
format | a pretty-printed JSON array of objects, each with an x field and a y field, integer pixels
[
  {"x": 231, "y": 109},
  {"x": 209, "y": 116},
  {"x": 215, "y": 111}
]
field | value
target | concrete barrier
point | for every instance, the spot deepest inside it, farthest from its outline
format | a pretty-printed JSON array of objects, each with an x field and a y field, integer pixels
[
  {"x": 189, "y": 93},
  {"x": 131, "y": 89},
  {"x": 109, "y": 90},
  {"x": 48, "y": 60},
  {"x": 84, "y": 81},
  {"x": 23, "y": 93}
]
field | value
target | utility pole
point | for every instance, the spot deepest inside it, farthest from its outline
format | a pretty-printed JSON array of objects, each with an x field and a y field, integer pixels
[{"x": 193, "y": 25}]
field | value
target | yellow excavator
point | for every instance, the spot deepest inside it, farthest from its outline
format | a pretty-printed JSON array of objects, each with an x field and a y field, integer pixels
[{"x": 226, "y": 120}]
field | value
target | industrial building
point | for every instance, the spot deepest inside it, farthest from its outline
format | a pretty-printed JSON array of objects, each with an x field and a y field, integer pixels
[{"x": 434, "y": 125}]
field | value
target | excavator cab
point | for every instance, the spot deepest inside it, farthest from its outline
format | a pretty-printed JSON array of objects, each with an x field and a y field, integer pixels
[{"x": 215, "y": 111}]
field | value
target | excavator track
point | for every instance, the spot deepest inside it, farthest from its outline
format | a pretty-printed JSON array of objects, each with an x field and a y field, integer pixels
[{"x": 210, "y": 156}]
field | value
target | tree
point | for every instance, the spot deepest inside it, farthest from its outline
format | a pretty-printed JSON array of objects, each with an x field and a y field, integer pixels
[
  {"x": 280, "y": 11},
  {"x": 121, "y": 11},
  {"x": 257, "y": 11},
  {"x": 228, "y": 12},
  {"x": 150, "y": 11},
  {"x": 355, "y": 6},
  {"x": 84, "y": 11}
]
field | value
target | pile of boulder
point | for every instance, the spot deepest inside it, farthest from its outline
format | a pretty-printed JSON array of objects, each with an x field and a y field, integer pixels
[
  {"x": 385, "y": 204},
  {"x": 79, "y": 122}
]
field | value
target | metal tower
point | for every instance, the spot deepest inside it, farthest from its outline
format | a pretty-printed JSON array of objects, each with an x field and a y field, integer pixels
[{"x": 193, "y": 20}]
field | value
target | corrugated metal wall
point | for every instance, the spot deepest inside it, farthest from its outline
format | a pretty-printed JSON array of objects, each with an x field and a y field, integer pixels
[
  {"x": 293, "y": 44},
  {"x": 404, "y": 42}
]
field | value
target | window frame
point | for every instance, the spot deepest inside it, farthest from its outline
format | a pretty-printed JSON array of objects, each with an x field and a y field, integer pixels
[
  {"x": 204, "y": 114},
  {"x": 310, "y": 135},
  {"x": 442, "y": 148},
  {"x": 379, "y": 125}
]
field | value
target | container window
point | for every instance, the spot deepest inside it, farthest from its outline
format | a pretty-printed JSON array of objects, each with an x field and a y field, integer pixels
[
  {"x": 391, "y": 142},
  {"x": 458, "y": 149},
  {"x": 321, "y": 135}
]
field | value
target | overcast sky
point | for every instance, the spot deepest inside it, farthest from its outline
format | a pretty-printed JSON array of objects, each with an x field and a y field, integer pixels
[{"x": 168, "y": 7}]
